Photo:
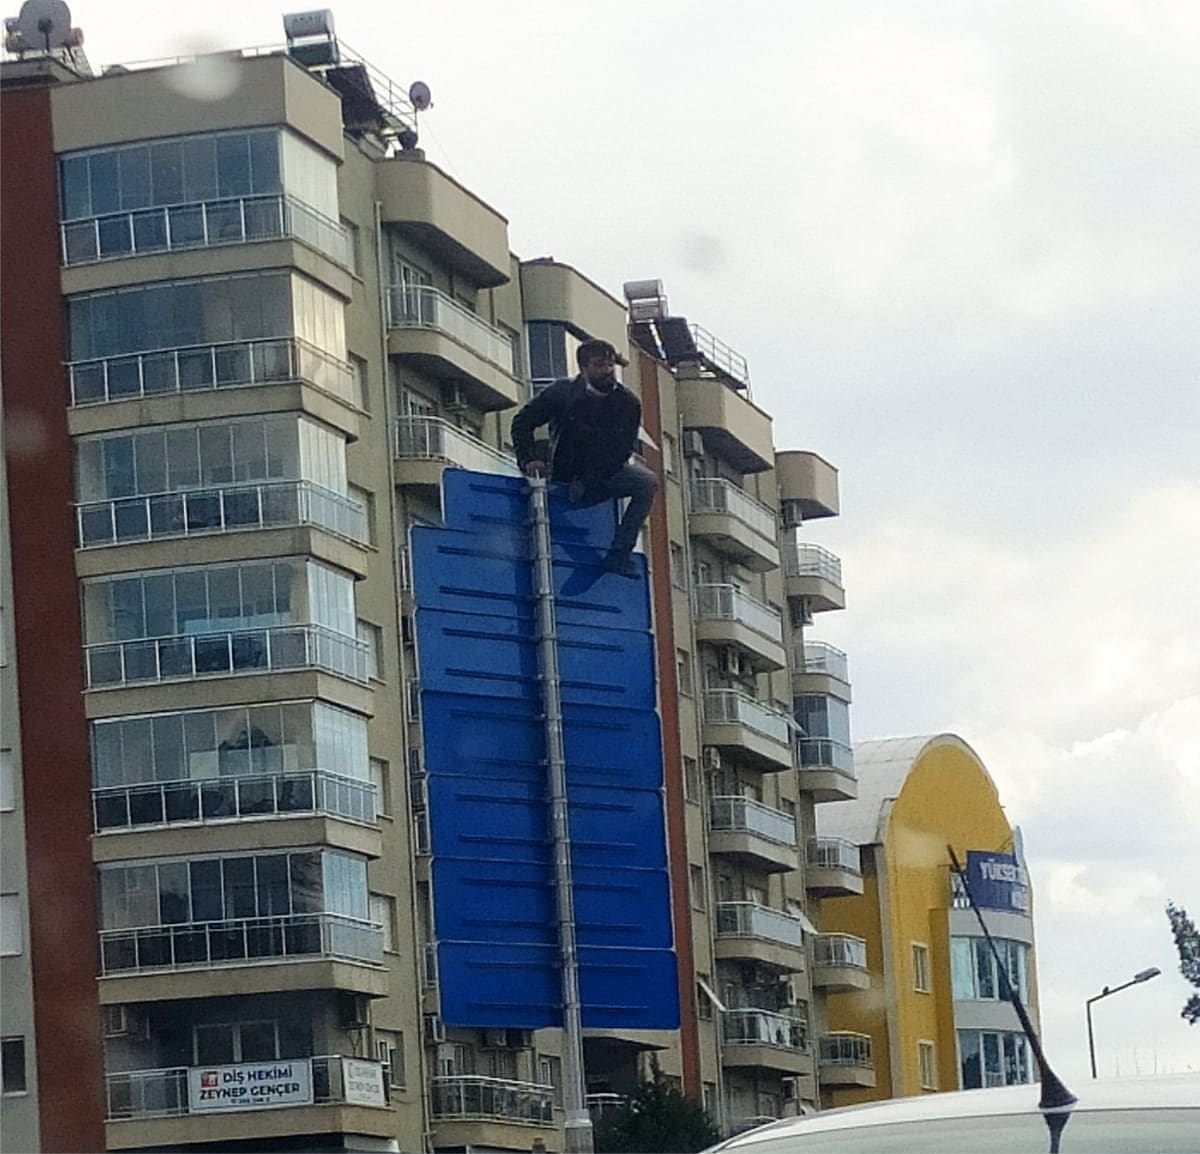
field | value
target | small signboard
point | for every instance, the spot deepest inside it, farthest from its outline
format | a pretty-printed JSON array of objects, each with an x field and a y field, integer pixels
[
  {"x": 998, "y": 881},
  {"x": 362, "y": 1082},
  {"x": 250, "y": 1086}
]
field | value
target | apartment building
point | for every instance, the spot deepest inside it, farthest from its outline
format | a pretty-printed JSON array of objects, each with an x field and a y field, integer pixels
[
  {"x": 916, "y": 1000},
  {"x": 245, "y": 337}
]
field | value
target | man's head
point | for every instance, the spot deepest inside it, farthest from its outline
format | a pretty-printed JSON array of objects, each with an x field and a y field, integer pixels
[{"x": 597, "y": 359}]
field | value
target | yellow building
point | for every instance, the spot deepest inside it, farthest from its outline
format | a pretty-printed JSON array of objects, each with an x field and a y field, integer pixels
[{"x": 914, "y": 1002}]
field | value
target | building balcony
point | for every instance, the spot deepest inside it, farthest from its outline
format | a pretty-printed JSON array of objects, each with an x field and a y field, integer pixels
[
  {"x": 420, "y": 201},
  {"x": 746, "y": 931},
  {"x": 167, "y": 1109},
  {"x": 447, "y": 341},
  {"x": 813, "y": 575},
  {"x": 845, "y": 1059},
  {"x": 725, "y": 615},
  {"x": 230, "y": 509},
  {"x": 734, "y": 523},
  {"x": 732, "y": 426},
  {"x": 840, "y": 962},
  {"x": 740, "y": 723},
  {"x": 826, "y": 769},
  {"x": 203, "y": 224},
  {"x": 598, "y": 1105},
  {"x": 834, "y": 867},
  {"x": 808, "y": 487},
  {"x": 227, "y": 367},
  {"x": 763, "y": 837},
  {"x": 557, "y": 293},
  {"x": 764, "y": 1040},
  {"x": 225, "y": 654},
  {"x": 469, "y": 1110},
  {"x": 238, "y": 806},
  {"x": 426, "y": 446},
  {"x": 818, "y": 668}
]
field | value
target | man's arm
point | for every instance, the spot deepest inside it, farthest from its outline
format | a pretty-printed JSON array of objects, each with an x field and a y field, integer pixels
[{"x": 533, "y": 415}]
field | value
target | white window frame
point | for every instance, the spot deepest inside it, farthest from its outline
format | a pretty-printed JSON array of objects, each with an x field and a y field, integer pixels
[
  {"x": 922, "y": 961},
  {"x": 927, "y": 1064}
]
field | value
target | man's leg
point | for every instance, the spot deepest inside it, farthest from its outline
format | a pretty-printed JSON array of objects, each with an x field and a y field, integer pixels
[{"x": 635, "y": 481}]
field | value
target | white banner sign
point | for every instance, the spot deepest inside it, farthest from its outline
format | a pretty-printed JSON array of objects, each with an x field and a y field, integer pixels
[
  {"x": 250, "y": 1086},
  {"x": 362, "y": 1082}
]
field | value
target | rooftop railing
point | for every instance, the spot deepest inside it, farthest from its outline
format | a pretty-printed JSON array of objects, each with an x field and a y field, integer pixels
[
  {"x": 750, "y": 920},
  {"x": 203, "y": 224},
  {"x": 743, "y": 814},
  {"x": 231, "y": 508},
  {"x": 239, "y": 941},
  {"x": 720, "y": 355},
  {"x": 221, "y": 654},
  {"x": 731, "y": 706},
  {"x": 728, "y": 603},
  {"x": 424, "y": 307},
  {"x": 314, "y": 791},
  {"x": 196, "y": 368},
  {"x": 435, "y": 439}
]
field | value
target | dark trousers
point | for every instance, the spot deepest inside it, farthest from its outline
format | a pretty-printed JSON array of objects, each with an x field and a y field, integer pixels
[{"x": 632, "y": 480}]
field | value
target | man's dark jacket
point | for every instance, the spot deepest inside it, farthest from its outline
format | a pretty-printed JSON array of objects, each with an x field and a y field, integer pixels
[{"x": 591, "y": 436}]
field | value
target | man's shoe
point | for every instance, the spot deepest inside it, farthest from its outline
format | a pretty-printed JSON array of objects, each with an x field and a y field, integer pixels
[{"x": 620, "y": 562}]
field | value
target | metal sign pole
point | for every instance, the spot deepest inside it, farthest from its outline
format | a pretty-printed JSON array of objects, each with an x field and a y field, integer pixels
[{"x": 579, "y": 1137}]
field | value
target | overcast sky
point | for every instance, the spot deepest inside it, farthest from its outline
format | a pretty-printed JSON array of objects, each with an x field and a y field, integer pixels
[{"x": 959, "y": 244}]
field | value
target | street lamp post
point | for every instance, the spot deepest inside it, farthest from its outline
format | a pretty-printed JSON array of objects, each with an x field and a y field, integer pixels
[{"x": 1140, "y": 976}]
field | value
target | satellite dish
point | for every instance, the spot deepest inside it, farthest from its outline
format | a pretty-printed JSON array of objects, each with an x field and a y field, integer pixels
[
  {"x": 45, "y": 24},
  {"x": 419, "y": 95}
]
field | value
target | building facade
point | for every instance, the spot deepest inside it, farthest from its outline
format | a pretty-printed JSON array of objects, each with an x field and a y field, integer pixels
[
  {"x": 245, "y": 336},
  {"x": 915, "y": 998}
]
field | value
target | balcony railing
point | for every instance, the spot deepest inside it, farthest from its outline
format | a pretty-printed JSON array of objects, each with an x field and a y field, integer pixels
[
  {"x": 222, "y": 654},
  {"x": 839, "y": 950},
  {"x": 818, "y": 657},
  {"x": 720, "y": 355},
  {"x": 812, "y": 561},
  {"x": 825, "y": 753},
  {"x": 763, "y": 1028},
  {"x": 846, "y": 1049},
  {"x": 472, "y": 1096},
  {"x": 225, "y": 510},
  {"x": 424, "y": 307},
  {"x": 731, "y": 707},
  {"x": 728, "y": 603},
  {"x": 750, "y": 920},
  {"x": 314, "y": 791},
  {"x": 165, "y": 1093},
  {"x": 716, "y": 495},
  {"x": 834, "y": 853},
  {"x": 745, "y": 815},
  {"x": 435, "y": 439},
  {"x": 196, "y": 368},
  {"x": 239, "y": 941},
  {"x": 203, "y": 224}
]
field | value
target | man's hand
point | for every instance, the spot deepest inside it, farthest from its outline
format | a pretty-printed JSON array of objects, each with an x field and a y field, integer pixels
[{"x": 535, "y": 468}]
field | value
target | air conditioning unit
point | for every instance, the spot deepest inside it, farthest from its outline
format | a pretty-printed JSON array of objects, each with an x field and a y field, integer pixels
[
  {"x": 435, "y": 1028},
  {"x": 712, "y": 757},
  {"x": 790, "y": 515},
  {"x": 454, "y": 400},
  {"x": 693, "y": 443},
  {"x": 354, "y": 1011},
  {"x": 793, "y": 995}
]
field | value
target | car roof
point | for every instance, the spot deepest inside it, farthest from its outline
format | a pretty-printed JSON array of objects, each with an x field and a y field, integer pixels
[{"x": 1151, "y": 1092}]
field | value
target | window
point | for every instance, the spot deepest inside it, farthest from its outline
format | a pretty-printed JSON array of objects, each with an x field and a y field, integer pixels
[
  {"x": 12, "y": 1061},
  {"x": 381, "y": 777},
  {"x": 383, "y": 911},
  {"x": 354, "y": 246},
  {"x": 691, "y": 779},
  {"x": 367, "y": 500},
  {"x": 669, "y": 454},
  {"x": 920, "y": 958},
  {"x": 989, "y": 1058},
  {"x": 12, "y": 937},
  {"x": 704, "y": 1004},
  {"x": 974, "y": 974},
  {"x": 372, "y": 637},
  {"x": 699, "y": 886},
  {"x": 550, "y": 1074},
  {"x": 683, "y": 670},
  {"x": 709, "y": 1099},
  {"x": 678, "y": 566},
  {"x": 8, "y": 780},
  {"x": 389, "y": 1051},
  {"x": 926, "y": 1066},
  {"x": 362, "y": 382}
]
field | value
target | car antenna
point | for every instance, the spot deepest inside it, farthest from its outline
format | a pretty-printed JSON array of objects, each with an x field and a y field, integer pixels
[{"x": 1056, "y": 1100}]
